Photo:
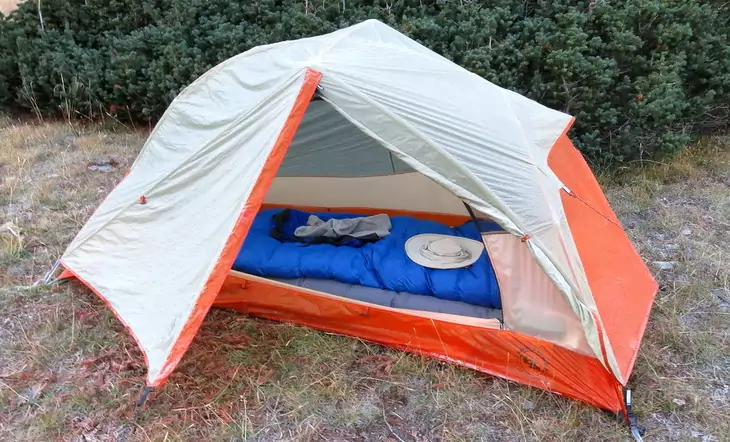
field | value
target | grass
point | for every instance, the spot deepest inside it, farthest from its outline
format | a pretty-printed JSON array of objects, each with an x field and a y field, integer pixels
[{"x": 69, "y": 370}]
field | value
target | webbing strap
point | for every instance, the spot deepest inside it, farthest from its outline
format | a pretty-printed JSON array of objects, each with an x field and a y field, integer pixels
[
  {"x": 633, "y": 422},
  {"x": 574, "y": 195}
]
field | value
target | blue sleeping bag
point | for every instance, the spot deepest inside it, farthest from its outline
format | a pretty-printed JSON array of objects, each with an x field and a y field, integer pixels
[{"x": 381, "y": 264}]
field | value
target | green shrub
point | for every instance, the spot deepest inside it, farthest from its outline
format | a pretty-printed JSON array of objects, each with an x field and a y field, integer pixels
[
  {"x": 641, "y": 76},
  {"x": 7, "y": 65}
]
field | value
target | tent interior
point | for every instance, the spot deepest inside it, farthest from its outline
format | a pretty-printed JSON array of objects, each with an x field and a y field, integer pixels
[{"x": 334, "y": 169}]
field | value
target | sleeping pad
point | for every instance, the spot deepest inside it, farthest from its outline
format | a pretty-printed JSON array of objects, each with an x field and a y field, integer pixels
[{"x": 381, "y": 264}]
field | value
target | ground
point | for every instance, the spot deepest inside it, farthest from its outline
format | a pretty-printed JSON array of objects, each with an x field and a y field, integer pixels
[{"x": 70, "y": 371}]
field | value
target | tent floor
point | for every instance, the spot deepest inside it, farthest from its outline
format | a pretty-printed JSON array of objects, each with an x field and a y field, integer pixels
[
  {"x": 248, "y": 294},
  {"x": 388, "y": 298}
]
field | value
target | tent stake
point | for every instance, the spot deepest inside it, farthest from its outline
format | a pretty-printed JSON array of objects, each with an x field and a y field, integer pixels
[
  {"x": 48, "y": 277},
  {"x": 129, "y": 428}
]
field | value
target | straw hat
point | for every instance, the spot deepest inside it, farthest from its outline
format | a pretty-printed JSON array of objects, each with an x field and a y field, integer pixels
[{"x": 443, "y": 251}]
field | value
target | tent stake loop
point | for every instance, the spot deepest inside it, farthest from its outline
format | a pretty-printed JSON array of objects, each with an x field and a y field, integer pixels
[{"x": 632, "y": 420}]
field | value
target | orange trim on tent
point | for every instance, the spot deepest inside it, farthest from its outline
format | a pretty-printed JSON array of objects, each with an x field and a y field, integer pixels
[
  {"x": 68, "y": 273},
  {"x": 450, "y": 219},
  {"x": 565, "y": 132},
  {"x": 243, "y": 223},
  {"x": 501, "y": 353},
  {"x": 622, "y": 286}
]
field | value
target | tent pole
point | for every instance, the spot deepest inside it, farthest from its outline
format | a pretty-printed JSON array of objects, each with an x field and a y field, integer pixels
[
  {"x": 486, "y": 251},
  {"x": 471, "y": 213}
]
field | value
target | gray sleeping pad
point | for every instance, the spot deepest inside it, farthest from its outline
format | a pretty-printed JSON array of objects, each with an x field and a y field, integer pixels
[{"x": 390, "y": 298}]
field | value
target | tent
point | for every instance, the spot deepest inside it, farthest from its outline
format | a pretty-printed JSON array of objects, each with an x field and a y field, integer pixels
[{"x": 365, "y": 120}]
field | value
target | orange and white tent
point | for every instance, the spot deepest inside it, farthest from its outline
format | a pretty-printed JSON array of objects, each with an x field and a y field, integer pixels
[{"x": 365, "y": 118}]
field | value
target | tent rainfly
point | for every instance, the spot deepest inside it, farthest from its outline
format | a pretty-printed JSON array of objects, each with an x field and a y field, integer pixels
[{"x": 365, "y": 120}]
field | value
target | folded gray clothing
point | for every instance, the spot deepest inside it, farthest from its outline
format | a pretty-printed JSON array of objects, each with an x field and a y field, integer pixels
[
  {"x": 388, "y": 298},
  {"x": 360, "y": 227}
]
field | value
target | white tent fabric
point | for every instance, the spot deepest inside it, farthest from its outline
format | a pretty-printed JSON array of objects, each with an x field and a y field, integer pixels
[{"x": 486, "y": 145}]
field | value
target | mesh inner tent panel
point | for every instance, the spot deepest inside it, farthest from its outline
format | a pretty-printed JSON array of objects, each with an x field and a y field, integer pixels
[{"x": 328, "y": 145}]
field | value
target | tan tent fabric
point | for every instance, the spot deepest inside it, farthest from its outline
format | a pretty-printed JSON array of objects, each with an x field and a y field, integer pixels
[
  {"x": 531, "y": 303},
  {"x": 406, "y": 191}
]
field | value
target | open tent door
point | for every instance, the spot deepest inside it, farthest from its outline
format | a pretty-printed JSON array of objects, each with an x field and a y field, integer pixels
[{"x": 334, "y": 163}]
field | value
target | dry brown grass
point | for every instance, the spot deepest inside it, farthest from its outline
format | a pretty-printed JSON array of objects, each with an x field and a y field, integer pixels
[{"x": 69, "y": 371}]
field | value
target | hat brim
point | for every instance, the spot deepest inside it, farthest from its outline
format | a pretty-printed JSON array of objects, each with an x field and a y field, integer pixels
[{"x": 414, "y": 244}]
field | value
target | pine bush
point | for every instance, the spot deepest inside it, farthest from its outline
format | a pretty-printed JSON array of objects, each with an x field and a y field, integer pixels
[{"x": 642, "y": 77}]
